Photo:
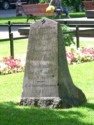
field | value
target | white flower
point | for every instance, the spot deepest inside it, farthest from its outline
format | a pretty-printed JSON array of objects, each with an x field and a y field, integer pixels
[{"x": 3, "y": 66}]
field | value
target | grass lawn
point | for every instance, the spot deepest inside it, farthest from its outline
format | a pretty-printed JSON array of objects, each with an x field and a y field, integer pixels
[
  {"x": 20, "y": 47},
  {"x": 12, "y": 114},
  {"x": 11, "y": 88},
  {"x": 86, "y": 41},
  {"x": 23, "y": 18}
]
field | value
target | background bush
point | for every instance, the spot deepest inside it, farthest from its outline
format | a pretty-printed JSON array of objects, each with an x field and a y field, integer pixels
[{"x": 68, "y": 38}]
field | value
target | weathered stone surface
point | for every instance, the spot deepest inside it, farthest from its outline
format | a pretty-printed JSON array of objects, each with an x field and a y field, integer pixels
[
  {"x": 47, "y": 81},
  {"x": 49, "y": 102}
]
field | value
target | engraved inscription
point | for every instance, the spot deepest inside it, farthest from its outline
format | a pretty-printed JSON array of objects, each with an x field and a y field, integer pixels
[{"x": 41, "y": 70}]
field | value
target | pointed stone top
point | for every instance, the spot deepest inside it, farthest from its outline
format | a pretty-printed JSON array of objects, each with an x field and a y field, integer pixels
[{"x": 44, "y": 22}]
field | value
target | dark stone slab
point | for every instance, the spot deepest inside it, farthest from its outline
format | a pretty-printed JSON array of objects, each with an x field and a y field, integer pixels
[
  {"x": 82, "y": 32},
  {"x": 90, "y": 13},
  {"x": 24, "y": 31}
]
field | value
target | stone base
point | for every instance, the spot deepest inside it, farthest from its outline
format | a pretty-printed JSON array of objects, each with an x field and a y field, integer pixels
[
  {"x": 44, "y": 102},
  {"x": 51, "y": 102}
]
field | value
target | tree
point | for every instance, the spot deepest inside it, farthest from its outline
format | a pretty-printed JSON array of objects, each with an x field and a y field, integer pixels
[{"x": 75, "y": 3}]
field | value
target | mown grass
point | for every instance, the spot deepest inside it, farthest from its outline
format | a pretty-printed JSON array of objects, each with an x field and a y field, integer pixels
[
  {"x": 20, "y": 47},
  {"x": 11, "y": 89},
  {"x": 85, "y": 41},
  {"x": 13, "y": 114},
  {"x": 24, "y": 18}
]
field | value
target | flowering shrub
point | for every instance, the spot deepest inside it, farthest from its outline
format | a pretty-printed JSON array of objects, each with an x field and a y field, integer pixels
[
  {"x": 79, "y": 55},
  {"x": 10, "y": 65}
]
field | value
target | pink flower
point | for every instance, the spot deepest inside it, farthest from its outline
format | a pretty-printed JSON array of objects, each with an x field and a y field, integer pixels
[
  {"x": 10, "y": 65},
  {"x": 70, "y": 56},
  {"x": 80, "y": 55}
]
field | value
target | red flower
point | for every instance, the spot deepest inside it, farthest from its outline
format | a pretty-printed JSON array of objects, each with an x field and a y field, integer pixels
[{"x": 70, "y": 55}]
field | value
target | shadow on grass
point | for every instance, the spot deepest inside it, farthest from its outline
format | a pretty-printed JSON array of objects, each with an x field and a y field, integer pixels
[
  {"x": 11, "y": 114},
  {"x": 89, "y": 105}
]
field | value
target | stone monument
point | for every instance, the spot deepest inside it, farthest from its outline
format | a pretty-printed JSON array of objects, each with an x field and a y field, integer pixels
[{"x": 47, "y": 81}]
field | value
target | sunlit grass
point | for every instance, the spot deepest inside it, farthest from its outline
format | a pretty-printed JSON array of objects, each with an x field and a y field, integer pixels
[
  {"x": 20, "y": 47},
  {"x": 11, "y": 89},
  {"x": 13, "y": 114},
  {"x": 23, "y": 19}
]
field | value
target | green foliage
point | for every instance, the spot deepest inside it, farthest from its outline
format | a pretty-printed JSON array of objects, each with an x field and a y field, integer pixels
[
  {"x": 68, "y": 38},
  {"x": 66, "y": 2},
  {"x": 74, "y": 3},
  {"x": 63, "y": 2},
  {"x": 44, "y": 1}
]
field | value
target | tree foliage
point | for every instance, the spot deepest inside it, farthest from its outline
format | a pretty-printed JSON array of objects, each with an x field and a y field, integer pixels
[
  {"x": 68, "y": 37},
  {"x": 74, "y": 3}
]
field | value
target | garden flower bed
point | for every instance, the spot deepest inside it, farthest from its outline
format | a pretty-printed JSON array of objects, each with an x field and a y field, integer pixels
[
  {"x": 74, "y": 56},
  {"x": 10, "y": 65},
  {"x": 80, "y": 55}
]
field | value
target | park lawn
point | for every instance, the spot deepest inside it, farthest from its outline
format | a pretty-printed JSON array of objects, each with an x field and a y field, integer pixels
[
  {"x": 24, "y": 18},
  {"x": 11, "y": 89},
  {"x": 13, "y": 114},
  {"x": 20, "y": 47}
]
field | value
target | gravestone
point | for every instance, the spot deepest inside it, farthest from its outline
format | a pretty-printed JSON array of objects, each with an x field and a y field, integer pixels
[{"x": 47, "y": 81}]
